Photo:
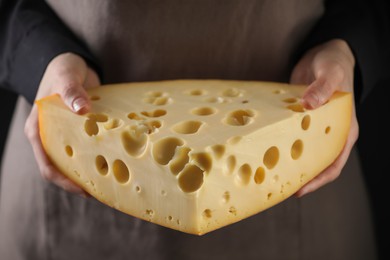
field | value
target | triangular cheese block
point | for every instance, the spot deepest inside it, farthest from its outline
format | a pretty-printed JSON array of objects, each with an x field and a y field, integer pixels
[{"x": 194, "y": 155}]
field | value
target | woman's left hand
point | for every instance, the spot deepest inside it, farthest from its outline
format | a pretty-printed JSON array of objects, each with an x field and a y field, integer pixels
[{"x": 327, "y": 68}]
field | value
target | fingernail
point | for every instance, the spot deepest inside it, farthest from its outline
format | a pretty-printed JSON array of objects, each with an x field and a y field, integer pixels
[
  {"x": 311, "y": 100},
  {"x": 78, "y": 104}
]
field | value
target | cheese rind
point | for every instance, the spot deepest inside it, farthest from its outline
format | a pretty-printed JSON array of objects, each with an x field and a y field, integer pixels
[{"x": 194, "y": 155}]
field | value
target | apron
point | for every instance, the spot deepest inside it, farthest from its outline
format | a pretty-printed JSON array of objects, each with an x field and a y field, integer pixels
[{"x": 156, "y": 40}]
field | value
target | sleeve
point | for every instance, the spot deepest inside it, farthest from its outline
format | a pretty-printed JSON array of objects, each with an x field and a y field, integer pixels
[
  {"x": 31, "y": 35},
  {"x": 363, "y": 25}
]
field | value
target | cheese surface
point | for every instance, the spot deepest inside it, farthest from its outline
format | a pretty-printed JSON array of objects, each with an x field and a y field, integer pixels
[{"x": 194, "y": 155}]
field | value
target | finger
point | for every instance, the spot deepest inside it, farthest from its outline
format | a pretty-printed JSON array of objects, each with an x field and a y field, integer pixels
[
  {"x": 301, "y": 74},
  {"x": 297, "y": 74},
  {"x": 74, "y": 96},
  {"x": 319, "y": 92},
  {"x": 331, "y": 172},
  {"x": 325, "y": 177},
  {"x": 48, "y": 171},
  {"x": 92, "y": 80}
]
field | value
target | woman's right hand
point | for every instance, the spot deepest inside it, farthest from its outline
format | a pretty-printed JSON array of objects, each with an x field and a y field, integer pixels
[{"x": 67, "y": 75}]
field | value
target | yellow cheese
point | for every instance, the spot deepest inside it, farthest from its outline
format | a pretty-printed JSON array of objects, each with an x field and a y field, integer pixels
[{"x": 194, "y": 155}]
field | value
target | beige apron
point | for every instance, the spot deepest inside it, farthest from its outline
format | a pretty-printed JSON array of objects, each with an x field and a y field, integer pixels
[{"x": 152, "y": 40}]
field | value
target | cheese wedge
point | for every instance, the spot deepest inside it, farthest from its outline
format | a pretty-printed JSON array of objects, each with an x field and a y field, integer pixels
[{"x": 194, "y": 155}]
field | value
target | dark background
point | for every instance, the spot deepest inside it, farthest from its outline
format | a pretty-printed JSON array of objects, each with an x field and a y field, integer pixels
[
  {"x": 7, "y": 102},
  {"x": 373, "y": 144}
]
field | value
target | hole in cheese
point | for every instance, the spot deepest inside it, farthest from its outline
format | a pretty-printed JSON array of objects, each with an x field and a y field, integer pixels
[
  {"x": 296, "y": 108},
  {"x": 121, "y": 172},
  {"x": 302, "y": 177},
  {"x": 217, "y": 100},
  {"x": 157, "y": 98},
  {"x": 134, "y": 142},
  {"x": 203, "y": 111},
  {"x": 232, "y": 92},
  {"x": 233, "y": 210},
  {"x": 69, "y": 150},
  {"x": 91, "y": 127},
  {"x": 149, "y": 212},
  {"x": 290, "y": 100},
  {"x": 297, "y": 149},
  {"x": 98, "y": 117},
  {"x": 234, "y": 140},
  {"x": 164, "y": 149},
  {"x": 305, "y": 124},
  {"x": 218, "y": 150},
  {"x": 191, "y": 178},
  {"x": 239, "y": 117},
  {"x": 101, "y": 165},
  {"x": 180, "y": 160},
  {"x": 153, "y": 125},
  {"x": 202, "y": 160},
  {"x": 244, "y": 174},
  {"x": 155, "y": 113},
  {"x": 279, "y": 91},
  {"x": 158, "y": 101},
  {"x": 259, "y": 175},
  {"x": 161, "y": 101},
  {"x": 146, "y": 127},
  {"x": 197, "y": 92},
  {"x": 207, "y": 213},
  {"x": 230, "y": 164},
  {"x": 134, "y": 116},
  {"x": 271, "y": 157},
  {"x": 187, "y": 127},
  {"x": 112, "y": 124},
  {"x": 281, "y": 189},
  {"x": 225, "y": 197}
]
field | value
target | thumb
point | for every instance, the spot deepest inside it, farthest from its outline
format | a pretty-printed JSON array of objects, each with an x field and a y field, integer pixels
[
  {"x": 75, "y": 97},
  {"x": 318, "y": 93}
]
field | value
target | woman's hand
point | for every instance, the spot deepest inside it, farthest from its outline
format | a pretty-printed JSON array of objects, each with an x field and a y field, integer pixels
[
  {"x": 327, "y": 68},
  {"x": 67, "y": 75}
]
